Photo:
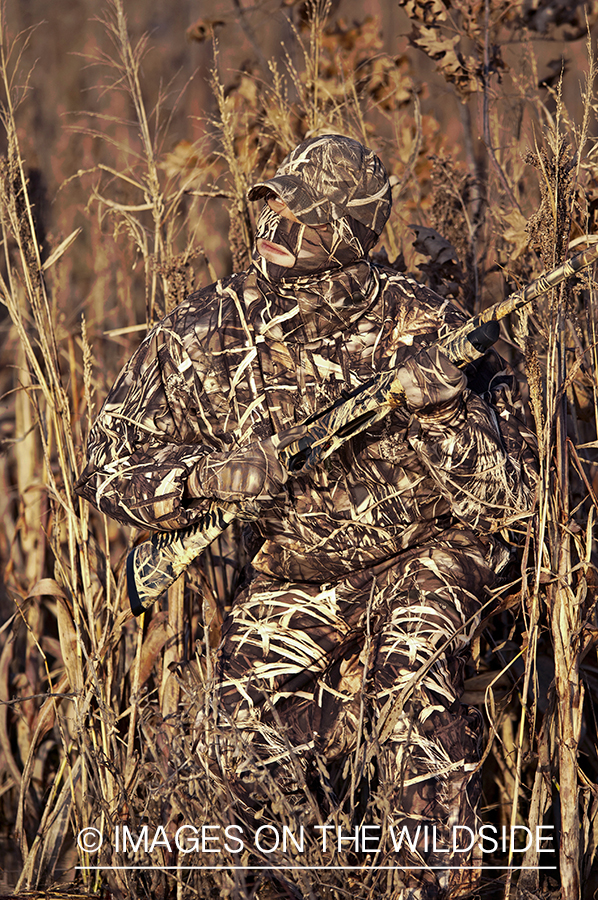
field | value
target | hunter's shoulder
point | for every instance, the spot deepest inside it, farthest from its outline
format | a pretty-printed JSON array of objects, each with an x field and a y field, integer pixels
[
  {"x": 413, "y": 306},
  {"x": 217, "y": 300},
  {"x": 211, "y": 316}
]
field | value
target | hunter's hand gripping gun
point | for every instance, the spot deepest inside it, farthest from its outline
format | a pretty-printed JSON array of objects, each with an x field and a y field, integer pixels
[{"x": 155, "y": 564}]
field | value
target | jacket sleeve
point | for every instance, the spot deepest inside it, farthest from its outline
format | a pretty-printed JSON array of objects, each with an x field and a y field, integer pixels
[
  {"x": 157, "y": 422},
  {"x": 480, "y": 452}
]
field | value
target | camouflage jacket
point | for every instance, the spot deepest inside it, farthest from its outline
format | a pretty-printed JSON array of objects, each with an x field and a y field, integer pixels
[{"x": 237, "y": 362}]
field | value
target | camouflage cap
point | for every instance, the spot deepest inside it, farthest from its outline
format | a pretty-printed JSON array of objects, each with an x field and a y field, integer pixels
[{"x": 329, "y": 177}]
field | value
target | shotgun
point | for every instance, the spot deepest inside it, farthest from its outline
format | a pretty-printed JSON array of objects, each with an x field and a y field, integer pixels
[{"x": 155, "y": 564}]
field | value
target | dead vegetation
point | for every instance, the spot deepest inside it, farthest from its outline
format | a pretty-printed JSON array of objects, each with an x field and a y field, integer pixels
[{"x": 100, "y": 716}]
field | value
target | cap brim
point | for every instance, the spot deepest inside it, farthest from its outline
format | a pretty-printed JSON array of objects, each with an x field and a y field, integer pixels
[{"x": 299, "y": 198}]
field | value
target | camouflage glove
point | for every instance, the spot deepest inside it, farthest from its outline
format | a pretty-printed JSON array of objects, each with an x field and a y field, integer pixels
[
  {"x": 432, "y": 385},
  {"x": 251, "y": 473}
]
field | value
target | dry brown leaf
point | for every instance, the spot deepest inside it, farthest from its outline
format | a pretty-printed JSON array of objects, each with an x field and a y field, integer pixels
[
  {"x": 517, "y": 232},
  {"x": 62, "y": 248},
  {"x": 157, "y": 635},
  {"x": 203, "y": 29},
  {"x": 47, "y": 587},
  {"x": 182, "y": 160},
  {"x": 69, "y": 643},
  {"x": 429, "y": 242}
]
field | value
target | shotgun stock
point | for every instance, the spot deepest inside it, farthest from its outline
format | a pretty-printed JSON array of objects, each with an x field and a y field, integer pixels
[{"x": 155, "y": 564}]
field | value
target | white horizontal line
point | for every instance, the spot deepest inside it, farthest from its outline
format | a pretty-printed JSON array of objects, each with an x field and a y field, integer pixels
[{"x": 312, "y": 868}]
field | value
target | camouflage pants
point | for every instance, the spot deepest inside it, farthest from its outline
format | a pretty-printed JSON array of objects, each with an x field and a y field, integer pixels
[{"x": 308, "y": 674}]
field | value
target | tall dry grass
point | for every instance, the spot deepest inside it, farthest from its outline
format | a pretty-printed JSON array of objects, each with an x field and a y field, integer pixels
[{"x": 98, "y": 712}]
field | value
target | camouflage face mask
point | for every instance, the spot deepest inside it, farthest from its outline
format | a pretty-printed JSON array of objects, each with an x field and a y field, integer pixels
[{"x": 316, "y": 249}]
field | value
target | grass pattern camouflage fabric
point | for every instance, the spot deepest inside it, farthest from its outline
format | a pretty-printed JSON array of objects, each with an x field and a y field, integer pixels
[
  {"x": 330, "y": 177},
  {"x": 296, "y": 655},
  {"x": 366, "y": 567},
  {"x": 414, "y": 503}
]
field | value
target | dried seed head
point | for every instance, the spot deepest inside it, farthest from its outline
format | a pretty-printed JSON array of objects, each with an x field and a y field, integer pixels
[{"x": 536, "y": 393}]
